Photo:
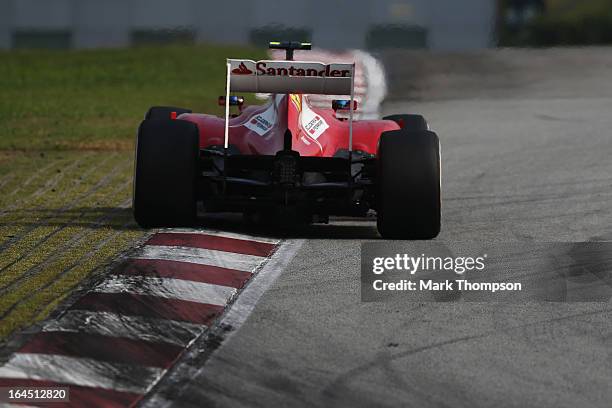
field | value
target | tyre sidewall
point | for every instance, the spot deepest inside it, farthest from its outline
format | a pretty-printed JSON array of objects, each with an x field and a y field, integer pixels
[
  {"x": 166, "y": 173},
  {"x": 409, "y": 204}
]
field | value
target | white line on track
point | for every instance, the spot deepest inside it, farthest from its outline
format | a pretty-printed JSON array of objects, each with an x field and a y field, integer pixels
[
  {"x": 132, "y": 327},
  {"x": 80, "y": 371},
  {"x": 168, "y": 288},
  {"x": 245, "y": 303},
  {"x": 240, "y": 262}
]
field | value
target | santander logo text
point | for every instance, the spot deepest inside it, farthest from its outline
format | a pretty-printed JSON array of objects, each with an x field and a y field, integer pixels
[
  {"x": 291, "y": 69},
  {"x": 327, "y": 71}
]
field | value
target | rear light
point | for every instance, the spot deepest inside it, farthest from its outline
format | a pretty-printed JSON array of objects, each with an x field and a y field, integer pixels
[
  {"x": 233, "y": 100},
  {"x": 343, "y": 104},
  {"x": 285, "y": 168},
  {"x": 173, "y": 115}
]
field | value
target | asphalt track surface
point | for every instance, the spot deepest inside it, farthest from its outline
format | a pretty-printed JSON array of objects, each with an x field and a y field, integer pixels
[{"x": 527, "y": 142}]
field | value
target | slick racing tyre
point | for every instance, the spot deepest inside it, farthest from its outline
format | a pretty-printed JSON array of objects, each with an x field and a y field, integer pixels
[
  {"x": 409, "y": 122},
  {"x": 166, "y": 172},
  {"x": 408, "y": 191},
  {"x": 164, "y": 112}
]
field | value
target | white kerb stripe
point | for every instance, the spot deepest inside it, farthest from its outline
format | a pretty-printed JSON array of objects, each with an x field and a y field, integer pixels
[
  {"x": 230, "y": 260},
  {"x": 17, "y": 406},
  {"x": 80, "y": 371},
  {"x": 132, "y": 327},
  {"x": 168, "y": 288},
  {"x": 224, "y": 234}
]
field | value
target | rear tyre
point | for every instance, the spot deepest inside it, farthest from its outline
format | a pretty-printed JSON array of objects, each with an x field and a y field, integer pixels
[
  {"x": 409, "y": 122},
  {"x": 164, "y": 112},
  {"x": 166, "y": 173},
  {"x": 409, "y": 204}
]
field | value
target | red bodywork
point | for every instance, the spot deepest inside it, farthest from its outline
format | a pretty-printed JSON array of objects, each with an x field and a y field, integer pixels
[{"x": 259, "y": 130}]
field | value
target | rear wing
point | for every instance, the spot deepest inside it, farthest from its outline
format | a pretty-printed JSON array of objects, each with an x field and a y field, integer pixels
[
  {"x": 271, "y": 76},
  {"x": 287, "y": 77}
]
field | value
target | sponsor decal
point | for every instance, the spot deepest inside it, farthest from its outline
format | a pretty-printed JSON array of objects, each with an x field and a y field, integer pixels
[
  {"x": 291, "y": 77},
  {"x": 290, "y": 68},
  {"x": 304, "y": 71},
  {"x": 242, "y": 70},
  {"x": 262, "y": 122},
  {"x": 313, "y": 124}
]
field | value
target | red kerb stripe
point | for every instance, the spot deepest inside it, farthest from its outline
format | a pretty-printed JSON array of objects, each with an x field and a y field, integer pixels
[
  {"x": 204, "y": 241},
  {"x": 184, "y": 271}
]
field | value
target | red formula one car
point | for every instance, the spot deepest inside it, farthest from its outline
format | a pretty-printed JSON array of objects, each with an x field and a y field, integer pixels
[{"x": 288, "y": 157}]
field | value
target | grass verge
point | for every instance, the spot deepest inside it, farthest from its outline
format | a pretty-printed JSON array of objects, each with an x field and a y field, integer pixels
[{"x": 94, "y": 99}]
